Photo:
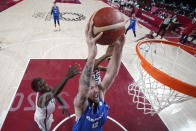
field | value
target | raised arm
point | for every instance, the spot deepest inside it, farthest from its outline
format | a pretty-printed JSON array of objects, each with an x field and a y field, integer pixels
[
  {"x": 102, "y": 68},
  {"x": 71, "y": 72},
  {"x": 46, "y": 97},
  {"x": 99, "y": 61},
  {"x": 114, "y": 65},
  {"x": 80, "y": 101},
  {"x": 103, "y": 57}
]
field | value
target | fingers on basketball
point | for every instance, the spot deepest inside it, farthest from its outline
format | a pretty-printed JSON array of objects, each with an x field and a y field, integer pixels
[{"x": 98, "y": 36}]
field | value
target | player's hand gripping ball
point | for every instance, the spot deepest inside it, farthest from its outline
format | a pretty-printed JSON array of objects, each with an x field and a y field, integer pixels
[{"x": 109, "y": 21}]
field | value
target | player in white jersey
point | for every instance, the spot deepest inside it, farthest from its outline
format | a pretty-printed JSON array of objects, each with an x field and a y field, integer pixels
[
  {"x": 45, "y": 99},
  {"x": 44, "y": 116}
]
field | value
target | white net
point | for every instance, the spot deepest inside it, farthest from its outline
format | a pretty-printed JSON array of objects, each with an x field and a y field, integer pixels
[{"x": 149, "y": 94}]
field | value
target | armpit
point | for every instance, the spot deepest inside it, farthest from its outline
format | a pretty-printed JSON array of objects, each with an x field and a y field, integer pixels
[
  {"x": 80, "y": 101},
  {"x": 45, "y": 99},
  {"x": 101, "y": 87}
]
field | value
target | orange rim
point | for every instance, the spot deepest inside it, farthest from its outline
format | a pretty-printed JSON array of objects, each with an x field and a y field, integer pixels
[{"x": 164, "y": 78}]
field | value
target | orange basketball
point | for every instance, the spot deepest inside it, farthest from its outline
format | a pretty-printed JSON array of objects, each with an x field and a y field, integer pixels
[{"x": 109, "y": 21}]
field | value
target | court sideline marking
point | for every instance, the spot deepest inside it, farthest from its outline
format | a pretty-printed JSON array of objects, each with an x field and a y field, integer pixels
[{"x": 67, "y": 118}]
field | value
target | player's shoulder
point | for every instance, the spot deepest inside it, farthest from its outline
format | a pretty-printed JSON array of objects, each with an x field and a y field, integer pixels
[
  {"x": 100, "y": 86},
  {"x": 46, "y": 94},
  {"x": 45, "y": 97}
]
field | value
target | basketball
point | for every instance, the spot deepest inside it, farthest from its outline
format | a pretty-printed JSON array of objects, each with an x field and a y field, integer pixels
[{"x": 109, "y": 21}]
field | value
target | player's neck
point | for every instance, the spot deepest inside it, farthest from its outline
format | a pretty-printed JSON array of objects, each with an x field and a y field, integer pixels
[{"x": 94, "y": 105}]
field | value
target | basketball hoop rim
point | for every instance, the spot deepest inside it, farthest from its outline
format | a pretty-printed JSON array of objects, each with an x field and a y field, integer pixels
[{"x": 162, "y": 77}]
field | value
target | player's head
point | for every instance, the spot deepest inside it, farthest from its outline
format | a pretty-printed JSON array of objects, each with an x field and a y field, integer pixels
[
  {"x": 55, "y": 3},
  {"x": 39, "y": 85},
  {"x": 133, "y": 14},
  {"x": 169, "y": 16},
  {"x": 93, "y": 93}
]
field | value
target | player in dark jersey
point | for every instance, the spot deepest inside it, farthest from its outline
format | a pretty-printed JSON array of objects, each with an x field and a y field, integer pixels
[
  {"x": 164, "y": 26},
  {"x": 55, "y": 12},
  {"x": 188, "y": 30},
  {"x": 90, "y": 108}
]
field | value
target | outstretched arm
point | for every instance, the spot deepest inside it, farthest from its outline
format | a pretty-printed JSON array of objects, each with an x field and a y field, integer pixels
[
  {"x": 113, "y": 66},
  {"x": 46, "y": 97},
  {"x": 99, "y": 61},
  {"x": 103, "y": 57},
  {"x": 102, "y": 68},
  {"x": 80, "y": 101},
  {"x": 72, "y": 71}
]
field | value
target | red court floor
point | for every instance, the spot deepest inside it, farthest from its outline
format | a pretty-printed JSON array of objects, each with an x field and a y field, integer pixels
[
  {"x": 4, "y": 4},
  {"x": 69, "y": 1},
  {"x": 20, "y": 116}
]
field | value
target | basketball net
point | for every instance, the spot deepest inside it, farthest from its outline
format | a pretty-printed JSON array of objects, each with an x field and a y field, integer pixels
[{"x": 149, "y": 94}]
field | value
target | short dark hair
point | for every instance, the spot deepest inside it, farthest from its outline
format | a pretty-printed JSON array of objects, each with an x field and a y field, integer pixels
[
  {"x": 54, "y": 2},
  {"x": 34, "y": 83}
]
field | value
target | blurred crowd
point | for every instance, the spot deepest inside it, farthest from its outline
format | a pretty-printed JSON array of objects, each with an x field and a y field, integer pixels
[
  {"x": 169, "y": 12},
  {"x": 178, "y": 9}
]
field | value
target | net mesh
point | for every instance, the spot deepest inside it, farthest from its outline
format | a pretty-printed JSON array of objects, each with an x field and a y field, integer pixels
[{"x": 149, "y": 94}]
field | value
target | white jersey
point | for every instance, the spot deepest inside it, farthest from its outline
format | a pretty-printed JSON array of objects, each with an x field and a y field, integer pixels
[
  {"x": 97, "y": 77},
  {"x": 44, "y": 116}
]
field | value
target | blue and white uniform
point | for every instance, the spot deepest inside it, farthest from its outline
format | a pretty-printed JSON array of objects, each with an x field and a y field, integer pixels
[
  {"x": 90, "y": 121},
  {"x": 132, "y": 24},
  {"x": 96, "y": 75},
  {"x": 55, "y": 12},
  {"x": 44, "y": 116}
]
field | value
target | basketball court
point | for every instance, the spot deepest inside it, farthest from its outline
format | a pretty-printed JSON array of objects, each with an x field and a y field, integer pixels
[{"x": 30, "y": 48}]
